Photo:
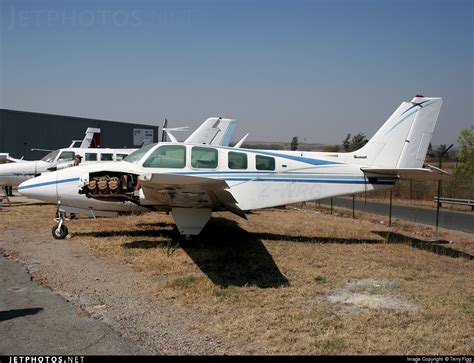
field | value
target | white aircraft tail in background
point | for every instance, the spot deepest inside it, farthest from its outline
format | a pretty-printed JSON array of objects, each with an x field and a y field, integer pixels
[
  {"x": 214, "y": 131},
  {"x": 92, "y": 138}
]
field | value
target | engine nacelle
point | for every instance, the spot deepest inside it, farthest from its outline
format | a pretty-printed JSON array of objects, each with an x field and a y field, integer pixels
[{"x": 112, "y": 186}]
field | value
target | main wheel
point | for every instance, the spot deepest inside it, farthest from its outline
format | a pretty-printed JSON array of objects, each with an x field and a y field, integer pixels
[{"x": 61, "y": 234}]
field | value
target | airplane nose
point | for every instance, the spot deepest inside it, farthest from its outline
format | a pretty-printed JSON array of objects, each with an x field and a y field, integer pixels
[
  {"x": 42, "y": 188},
  {"x": 15, "y": 173}
]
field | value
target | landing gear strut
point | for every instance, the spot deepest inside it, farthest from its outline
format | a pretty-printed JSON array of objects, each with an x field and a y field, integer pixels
[{"x": 60, "y": 231}]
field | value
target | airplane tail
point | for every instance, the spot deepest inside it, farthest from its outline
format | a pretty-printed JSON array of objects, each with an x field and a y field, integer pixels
[
  {"x": 92, "y": 138},
  {"x": 403, "y": 140},
  {"x": 214, "y": 131}
]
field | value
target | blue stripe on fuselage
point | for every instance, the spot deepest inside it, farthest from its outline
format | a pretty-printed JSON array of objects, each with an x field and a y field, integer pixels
[
  {"x": 49, "y": 183},
  {"x": 302, "y": 159},
  {"x": 301, "y": 180}
]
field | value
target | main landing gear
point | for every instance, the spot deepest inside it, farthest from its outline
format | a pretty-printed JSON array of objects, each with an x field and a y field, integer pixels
[{"x": 60, "y": 231}]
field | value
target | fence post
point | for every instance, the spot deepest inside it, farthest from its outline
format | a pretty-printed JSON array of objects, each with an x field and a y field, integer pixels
[
  {"x": 353, "y": 206},
  {"x": 390, "y": 210},
  {"x": 331, "y": 205}
]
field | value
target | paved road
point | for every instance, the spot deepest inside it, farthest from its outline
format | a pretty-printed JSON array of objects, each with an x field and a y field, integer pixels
[
  {"x": 35, "y": 320},
  {"x": 448, "y": 219}
]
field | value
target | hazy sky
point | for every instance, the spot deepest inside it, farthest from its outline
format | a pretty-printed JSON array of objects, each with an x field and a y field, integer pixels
[{"x": 315, "y": 69}]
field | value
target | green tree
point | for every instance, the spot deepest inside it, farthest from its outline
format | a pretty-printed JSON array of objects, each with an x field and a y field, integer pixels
[
  {"x": 441, "y": 150},
  {"x": 354, "y": 143},
  {"x": 466, "y": 152},
  {"x": 430, "y": 150},
  {"x": 346, "y": 143},
  {"x": 294, "y": 143}
]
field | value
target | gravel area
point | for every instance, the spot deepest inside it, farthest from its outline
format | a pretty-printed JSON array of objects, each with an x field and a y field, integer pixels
[{"x": 109, "y": 291}]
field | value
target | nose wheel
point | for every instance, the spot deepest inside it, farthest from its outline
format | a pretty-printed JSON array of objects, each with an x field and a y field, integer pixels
[{"x": 59, "y": 231}]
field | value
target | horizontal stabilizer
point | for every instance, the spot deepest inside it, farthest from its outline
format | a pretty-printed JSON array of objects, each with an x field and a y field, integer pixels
[{"x": 430, "y": 173}]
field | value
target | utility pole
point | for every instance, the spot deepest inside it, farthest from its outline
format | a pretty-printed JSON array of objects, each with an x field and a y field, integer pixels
[{"x": 440, "y": 191}]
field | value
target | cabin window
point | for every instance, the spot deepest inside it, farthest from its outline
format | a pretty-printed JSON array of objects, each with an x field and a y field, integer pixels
[
  {"x": 66, "y": 156},
  {"x": 168, "y": 156},
  {"x": 237, "y": 160},
  {"x": 91, "y": 157},
  {"x": 265, "y": 162},
  {"x": 203, "y": 158},
  {"x": 106, "y": 157},
  {"x": 121, "y": 157}
]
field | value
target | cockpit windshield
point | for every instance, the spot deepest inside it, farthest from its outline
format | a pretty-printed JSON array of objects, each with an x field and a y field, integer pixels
[
  {"x": 136, "y": 156},
  {"x": 49, "y": 158}
]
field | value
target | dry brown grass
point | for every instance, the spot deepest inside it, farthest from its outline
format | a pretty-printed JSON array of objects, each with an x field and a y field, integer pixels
[{"x": 263, "y": 283}]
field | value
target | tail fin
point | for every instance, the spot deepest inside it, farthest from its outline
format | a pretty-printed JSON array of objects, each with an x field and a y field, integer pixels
[
  {"x": 403, "y": 140},
  {"x": 214, "y": 131},
  {"x": 92, "y": 138}
]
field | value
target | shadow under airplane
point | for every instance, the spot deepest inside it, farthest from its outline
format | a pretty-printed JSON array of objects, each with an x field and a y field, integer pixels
[
  {"x": 17, "y": 313},
  {"x": 232, "y": 256}
]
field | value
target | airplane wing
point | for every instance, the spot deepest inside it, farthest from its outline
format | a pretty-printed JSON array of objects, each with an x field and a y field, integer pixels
[
  {"x": 214, "y": 131},
  {"x": 430, "y": 173},
  {"x": 184, "y": 191}
]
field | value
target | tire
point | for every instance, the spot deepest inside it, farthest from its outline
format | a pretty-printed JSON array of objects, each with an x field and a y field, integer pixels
[{"x": 63, "y": 232}]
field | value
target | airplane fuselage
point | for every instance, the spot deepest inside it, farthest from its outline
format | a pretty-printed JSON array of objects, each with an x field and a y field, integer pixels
[{"x": 255, "y": 178}]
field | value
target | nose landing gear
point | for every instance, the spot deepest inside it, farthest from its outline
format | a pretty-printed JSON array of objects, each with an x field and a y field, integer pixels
[{"x": 60, "y": 231}]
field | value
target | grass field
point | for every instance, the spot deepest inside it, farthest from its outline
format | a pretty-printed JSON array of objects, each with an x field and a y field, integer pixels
[{"x": 290, "y": 281}]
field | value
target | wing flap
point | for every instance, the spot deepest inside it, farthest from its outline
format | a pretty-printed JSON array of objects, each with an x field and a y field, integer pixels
[{"x": 187, "y": 191}]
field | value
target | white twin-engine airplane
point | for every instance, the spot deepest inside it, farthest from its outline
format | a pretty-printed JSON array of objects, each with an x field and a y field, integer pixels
[
  {"x": 15, "y": 171},
  {"x": 191, "y": 180}
]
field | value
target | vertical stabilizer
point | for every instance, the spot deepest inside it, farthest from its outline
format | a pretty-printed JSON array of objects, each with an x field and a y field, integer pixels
[
  {"x": 92, "y": 138},
  {"x": 214, "y": 131},
  {"x": 402, "y": 141}
]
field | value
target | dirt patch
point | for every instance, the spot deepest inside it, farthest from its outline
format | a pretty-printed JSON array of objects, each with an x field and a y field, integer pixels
[{"x": 371, "y": 294}]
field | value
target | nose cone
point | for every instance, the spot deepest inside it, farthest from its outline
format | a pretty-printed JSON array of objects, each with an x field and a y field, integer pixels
[{"x": 43, "y": 187}]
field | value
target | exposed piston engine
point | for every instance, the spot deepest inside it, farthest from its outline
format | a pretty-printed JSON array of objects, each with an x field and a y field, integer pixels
[{"x": 111, "y": 185}]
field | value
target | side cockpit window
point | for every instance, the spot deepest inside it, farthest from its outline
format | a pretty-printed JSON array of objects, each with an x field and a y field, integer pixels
[
  {"x": 66, "y": 156},
  {"x": 167, "y": 156},
  {"x": 265, "y": 162}
]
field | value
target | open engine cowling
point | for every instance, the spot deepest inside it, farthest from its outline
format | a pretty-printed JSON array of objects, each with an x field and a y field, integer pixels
[{"x": 112, "y": 186}]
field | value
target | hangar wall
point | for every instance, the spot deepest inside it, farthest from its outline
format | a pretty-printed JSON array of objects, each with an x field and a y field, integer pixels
[{"x": 21, "y": 131}]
